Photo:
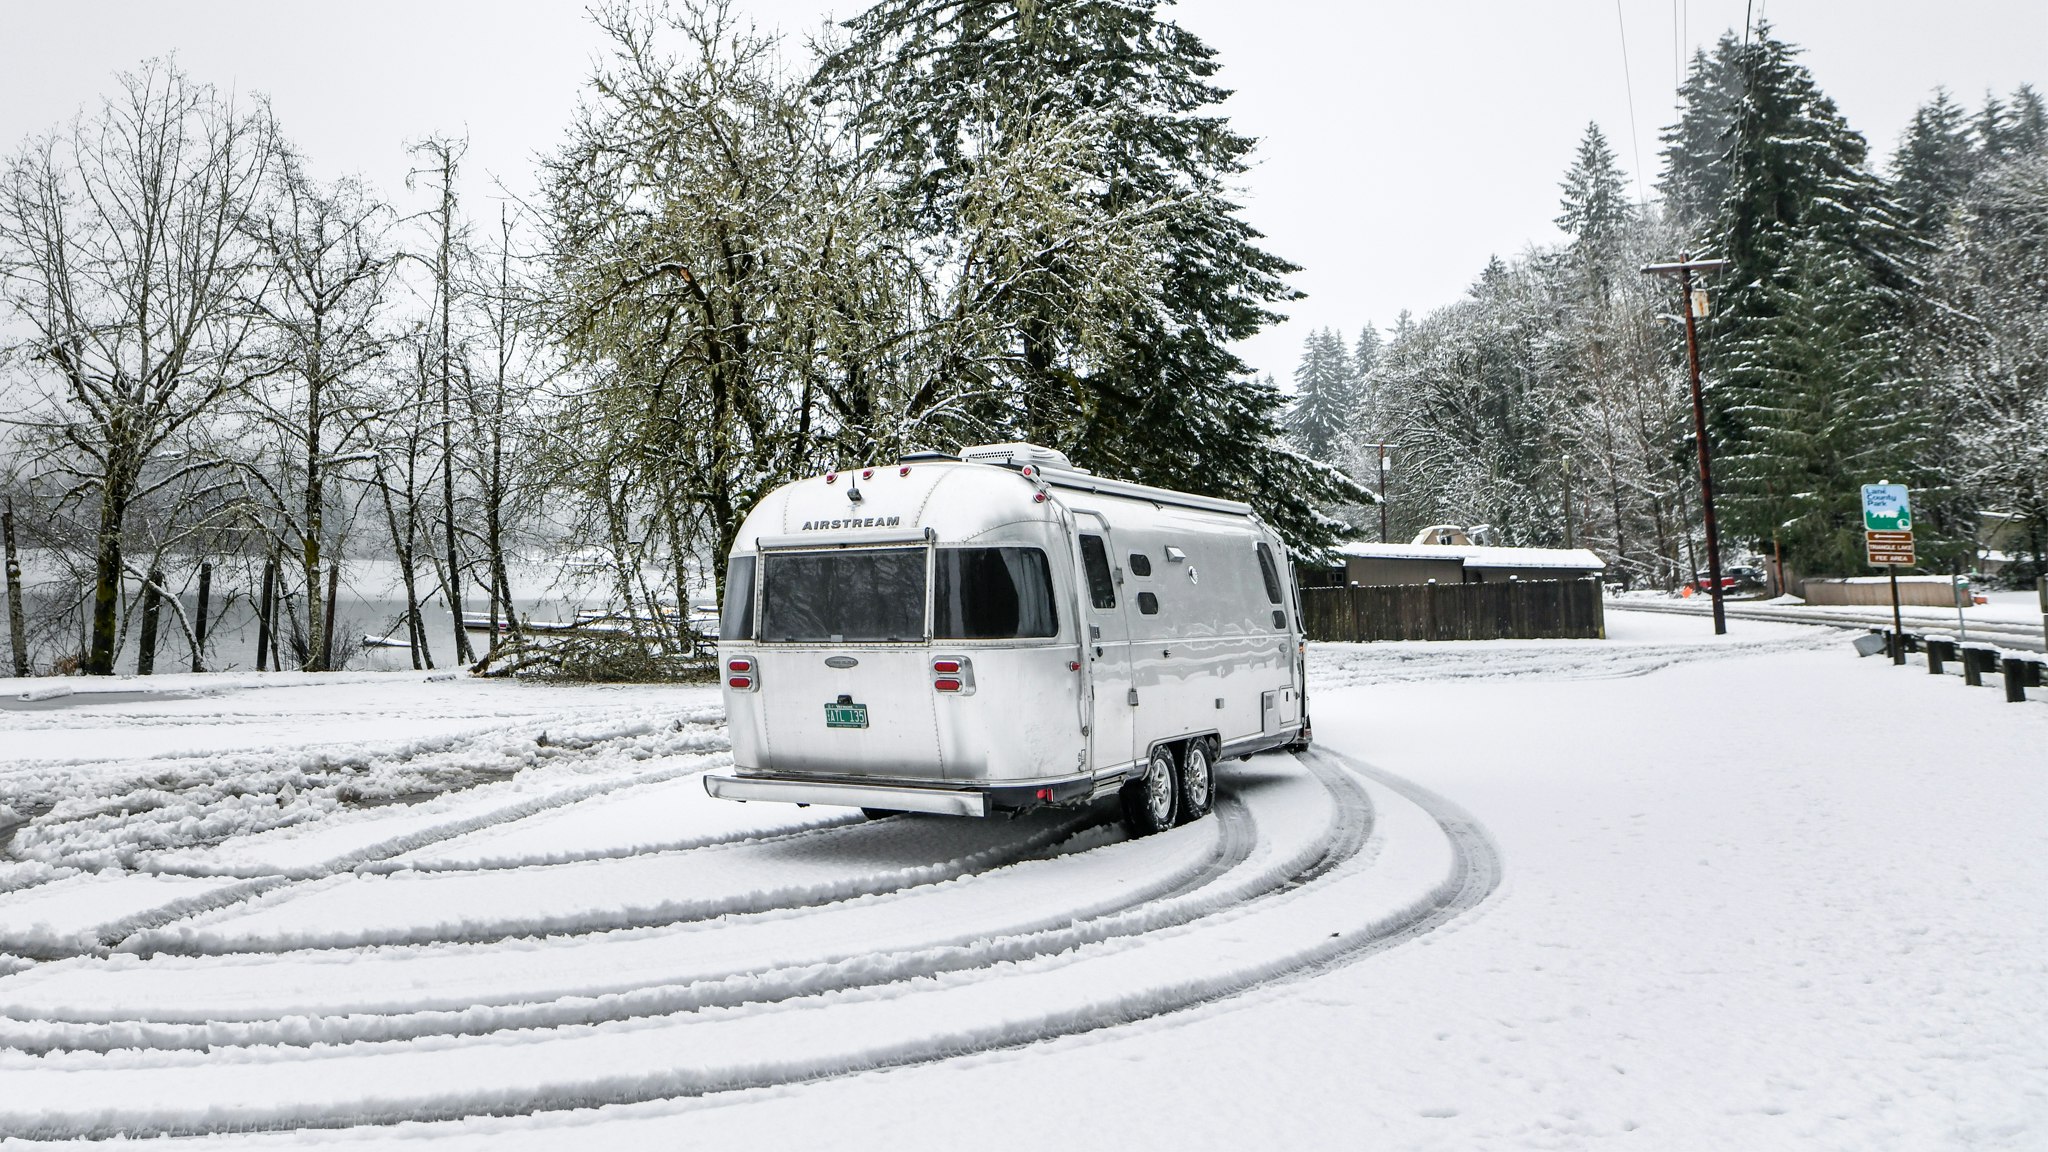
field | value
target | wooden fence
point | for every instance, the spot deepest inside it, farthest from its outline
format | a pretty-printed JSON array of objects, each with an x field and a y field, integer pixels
[{"x": 1509, "y": 610}]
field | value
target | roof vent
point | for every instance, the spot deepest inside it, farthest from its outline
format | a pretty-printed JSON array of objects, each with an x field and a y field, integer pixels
[{"x": 1017, "y": 455}]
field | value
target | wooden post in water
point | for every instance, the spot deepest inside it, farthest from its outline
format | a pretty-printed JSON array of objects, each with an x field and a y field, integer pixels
[
  {"x": 17, "y": 627},
  {"x": 199, "y": 625}
]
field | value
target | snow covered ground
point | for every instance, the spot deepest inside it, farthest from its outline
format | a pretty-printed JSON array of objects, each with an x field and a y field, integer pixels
[
  {"x": 2007, "y": 619},
  {"x": 1661, "y": 891}
]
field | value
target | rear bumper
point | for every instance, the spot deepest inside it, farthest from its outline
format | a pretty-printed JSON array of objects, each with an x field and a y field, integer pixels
[{"x": 901, "y": 797}]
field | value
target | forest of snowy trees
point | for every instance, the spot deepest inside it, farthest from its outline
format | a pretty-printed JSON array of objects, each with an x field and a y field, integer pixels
[
  {"x": 961, "y": 221},
  {"x": 953, "y": 221},
  {"x": 1882, "y": 320}
]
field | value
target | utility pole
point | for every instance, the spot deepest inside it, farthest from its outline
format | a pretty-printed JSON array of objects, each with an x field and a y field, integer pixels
[
  {"x": 1568, "y": 501},
  {"x": 1381, "y": 450},
  {"x": 1694, "y": 305}
]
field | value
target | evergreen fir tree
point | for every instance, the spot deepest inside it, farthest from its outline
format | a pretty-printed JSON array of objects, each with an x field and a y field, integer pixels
[
  {"x": 2006, "y": 132},
  {"x": 1365, "y": 355},
  {"x": 940, "y": 83},
  {"x": 1696, "y": 148},
  {"x": 1325, "y": 395},
  {"x": 1828, "y": 407},
  {"x": 1934, "y": 164},
  {"x": 1798, "y": 197},
  {"x": 1595, "y": 203}
]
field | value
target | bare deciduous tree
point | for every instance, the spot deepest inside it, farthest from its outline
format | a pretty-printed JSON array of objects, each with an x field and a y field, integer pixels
[
  {"x": 325, "y": 249},
  {"x": 126, "y": 270}
]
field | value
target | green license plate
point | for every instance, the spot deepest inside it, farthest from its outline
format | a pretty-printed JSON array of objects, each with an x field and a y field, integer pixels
[{"x": 846, "y": 715}]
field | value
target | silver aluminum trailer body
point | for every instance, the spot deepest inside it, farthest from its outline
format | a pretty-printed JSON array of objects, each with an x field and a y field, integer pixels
[{"x": 992, "y": 633}]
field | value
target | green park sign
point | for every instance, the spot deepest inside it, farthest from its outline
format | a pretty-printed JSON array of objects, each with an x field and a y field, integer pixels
[{"x": 1886, "y": 508}]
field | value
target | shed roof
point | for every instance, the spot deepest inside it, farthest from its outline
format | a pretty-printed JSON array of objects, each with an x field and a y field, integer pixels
[{"x": 1479, "y": 556}]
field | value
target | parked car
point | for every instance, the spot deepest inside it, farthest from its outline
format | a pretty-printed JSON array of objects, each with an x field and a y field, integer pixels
[{"x": 1733, "y": 579}]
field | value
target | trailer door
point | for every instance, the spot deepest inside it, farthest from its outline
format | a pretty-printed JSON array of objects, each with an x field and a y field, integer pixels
[{"x": 1109, "y": 651}]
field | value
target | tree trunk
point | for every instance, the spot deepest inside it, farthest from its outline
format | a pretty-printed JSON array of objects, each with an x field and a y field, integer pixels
[
  {"x": 17, "y": 620},
  {"x": 327, "y": 623},
  {"x": 106, "y": 591},
  {"x": 309, "y": 541},
  {"x": 152, "y": 604},
  {"x": 199, "y": 626},
  {"x": 444, "y": 280},
  {"x": 265, "y": 609}
]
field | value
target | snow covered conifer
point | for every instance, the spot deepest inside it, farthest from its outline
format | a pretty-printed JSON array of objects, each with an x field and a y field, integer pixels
[
  {"x": 1696, "y": 148},
  {"x": 942, "y": 85},
  {"x": 1595, "y": 203},
  {"x": 1934, "y": 164},
  {"x": 1325, "y": 394}
]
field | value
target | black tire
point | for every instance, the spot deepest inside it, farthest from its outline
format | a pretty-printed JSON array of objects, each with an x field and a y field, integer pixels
[
  {"x": 1152, "y": 801},
  {"x": 1197, "y": 781},
  {"x": 1303, "y": 739},
  {"x": 879, "y": 813}
]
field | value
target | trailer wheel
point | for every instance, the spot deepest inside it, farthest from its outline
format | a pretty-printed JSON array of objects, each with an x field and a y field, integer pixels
[
  {"x": 1153, "y": 800},
  {"x": 1197, "y": 781}
]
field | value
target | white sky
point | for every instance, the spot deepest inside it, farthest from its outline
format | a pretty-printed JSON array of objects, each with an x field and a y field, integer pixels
[{"x": 1401, "y": 143}]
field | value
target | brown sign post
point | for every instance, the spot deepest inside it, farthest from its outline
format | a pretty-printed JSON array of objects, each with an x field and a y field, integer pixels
[{"x": 1888, "y": 540}]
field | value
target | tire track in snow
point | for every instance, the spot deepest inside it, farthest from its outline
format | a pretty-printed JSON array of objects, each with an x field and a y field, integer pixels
[{"x": 1474, "y": 872}]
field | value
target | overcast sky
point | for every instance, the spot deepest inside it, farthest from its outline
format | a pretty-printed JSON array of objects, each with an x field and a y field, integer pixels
[{"x": 1401, "y": 143}]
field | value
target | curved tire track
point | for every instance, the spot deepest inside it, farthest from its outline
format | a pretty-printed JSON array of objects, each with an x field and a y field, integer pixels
[{"x": 1474, "y": 873}]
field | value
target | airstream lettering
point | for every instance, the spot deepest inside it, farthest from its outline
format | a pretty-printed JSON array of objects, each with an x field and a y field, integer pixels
[{"x": 1000, "y": 631}]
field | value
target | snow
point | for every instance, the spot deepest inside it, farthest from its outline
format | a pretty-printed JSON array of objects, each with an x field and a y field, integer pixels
[
  {"x": 1480, "y": 556},
  {"x": 1663, "y": 890}
]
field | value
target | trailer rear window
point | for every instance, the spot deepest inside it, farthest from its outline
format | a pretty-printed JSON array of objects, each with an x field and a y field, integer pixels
[
  {"x": 736, "y": 622},
  {"x": 867, "y": 594},
  {"x": 992, "y": 594}
]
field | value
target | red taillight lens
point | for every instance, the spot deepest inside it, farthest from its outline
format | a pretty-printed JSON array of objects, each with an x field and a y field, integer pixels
[
  {"x": 946, "y": 684},
  {"x": 867, "y": 473},
  {"x": 740, "y": 665},
  {"x": 741, "y": 682},
  {"x": 950, "y": 666}
]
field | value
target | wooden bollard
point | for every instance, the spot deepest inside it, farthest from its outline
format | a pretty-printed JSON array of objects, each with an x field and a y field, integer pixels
[
  {"x": 1937, "y": 652},
  {"x": 2016, "y": 680},
  {"x": 1974, "y": 660}
]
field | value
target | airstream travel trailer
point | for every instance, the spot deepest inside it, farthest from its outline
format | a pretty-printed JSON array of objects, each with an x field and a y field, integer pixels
[{"x": 999, "y": 631}]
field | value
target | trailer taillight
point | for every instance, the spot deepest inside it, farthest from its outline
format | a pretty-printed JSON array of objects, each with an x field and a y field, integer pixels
[
  {"x": 741, "y": 664},
  {"x": 741, "y": 674},
  {"x": 953, "y": 674},
  {"x": 740, "y": 682}
]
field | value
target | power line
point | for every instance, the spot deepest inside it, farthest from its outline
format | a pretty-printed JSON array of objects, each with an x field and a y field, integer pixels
[{"x": 1629, "y": 85}]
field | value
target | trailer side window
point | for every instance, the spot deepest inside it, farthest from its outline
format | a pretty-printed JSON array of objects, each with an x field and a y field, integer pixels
[
  {"x": 736, "y": 620},
  {"x": 992, "y": 594},
  {"x": 1270, "y": 571},
  {"x": 1148, "y": 604},
  {"x": 1095, "y": 558},
  {"x": 1141, "y": 564}
]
